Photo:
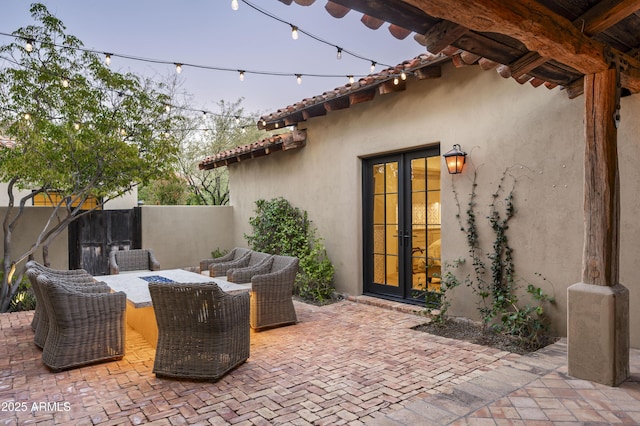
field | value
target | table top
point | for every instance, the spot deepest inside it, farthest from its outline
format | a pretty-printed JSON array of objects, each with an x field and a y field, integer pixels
[{"x": 135, "y": 283}]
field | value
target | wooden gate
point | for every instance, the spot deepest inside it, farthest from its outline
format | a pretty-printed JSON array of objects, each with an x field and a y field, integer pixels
[{"x": 92, "y": 237}]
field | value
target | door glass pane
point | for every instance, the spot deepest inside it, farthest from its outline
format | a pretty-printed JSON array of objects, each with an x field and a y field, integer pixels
[{"x": 385, "y": 223}]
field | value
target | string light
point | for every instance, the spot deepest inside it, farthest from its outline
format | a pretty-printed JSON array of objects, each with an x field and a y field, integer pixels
[
  {"x": 107, "y": 59},
  {"x": 65, "y": 82},
  {"x": 27, "y": 116},
  {"x": 373, "y": 67},
  {"x": 28, "y": 46},
  {"x": 299, "y": 78},
  {"x": 396, "y": 81},
  {"x": 351, "y": 80},
  {"x": 178, "y": 68},
  {"x": 167, "y": 108},
  {"x": 76, "y": 126},
  {"x": 297, "y": 29},
  {"x": 403, "y": 75},
  {"x": 294, "y": 32},
  {"x": 234, "y": 4},
  {"x": 339, "y": 54},
  {"x": 241, "y": 75}
]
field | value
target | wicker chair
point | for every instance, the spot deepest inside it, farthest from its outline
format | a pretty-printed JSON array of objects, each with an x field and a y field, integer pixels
[
  {"x": 84, "y": 328},
  {"x": 79, "y": 283},
  {"x": 271, "y": 294},
  {"x": 250, "y": 260},
  {"x": 203, "y": 332},
  {"x": 234, "y": 254},
  {"x": 77, "y": 275},
  {"x": 132, "y": 260}
]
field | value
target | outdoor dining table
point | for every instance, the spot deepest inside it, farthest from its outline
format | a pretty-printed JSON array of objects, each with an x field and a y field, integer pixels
[{"x": 140, "y": 314}]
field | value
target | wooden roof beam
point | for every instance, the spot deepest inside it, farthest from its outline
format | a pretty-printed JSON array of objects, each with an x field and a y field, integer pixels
[
  {"x": 605, "y": 14},
  {"x": 547, "y": 33}
]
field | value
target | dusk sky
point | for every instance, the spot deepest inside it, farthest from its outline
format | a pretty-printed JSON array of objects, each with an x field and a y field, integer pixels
[{"x": 210, "y": 33}]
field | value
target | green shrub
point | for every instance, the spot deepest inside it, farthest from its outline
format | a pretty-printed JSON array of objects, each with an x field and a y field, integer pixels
[
  {"x": 24, "y": 299},
  {"x": 279, "y": 228},
  {"x": 218, "y": 252}
]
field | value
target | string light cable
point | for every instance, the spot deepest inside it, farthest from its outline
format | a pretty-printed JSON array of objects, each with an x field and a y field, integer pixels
[
  {"x": 295, "y": 29},
  {"x": 181, "y": 65},
  {"x": 65, "y": 81}
]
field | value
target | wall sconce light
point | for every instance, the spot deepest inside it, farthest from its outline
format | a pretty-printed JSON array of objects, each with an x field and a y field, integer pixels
[{"x": 455, "y": 159}]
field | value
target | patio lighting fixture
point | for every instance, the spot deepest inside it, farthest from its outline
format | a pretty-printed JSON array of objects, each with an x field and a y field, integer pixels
[
  {"x": 241, "y": 75},
  {"x": 294, "y": 32},
  {"x": 234, "y": 4},
  {"x": 339, "y": 54},
  {"x": 28, "y": 46},
  {"x": 107, "y": 59},
  {"x": 299, "y": 78},
  {"x": 351, "y": 79},
  {"x": 455, "y": 159},
  {"x": 65, "y": 82},
  {"x": 178, "y": 68},
  {"x": 373, "y": 67},
  {"x": 403, "y": 75},
  {"x": 396, "y": 81}
]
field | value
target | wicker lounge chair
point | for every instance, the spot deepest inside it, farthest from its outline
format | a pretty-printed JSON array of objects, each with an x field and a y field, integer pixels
[
  {"x": 84, "y": 328},
  {"x": 203, "y": 332},
  {"x": 51, "y": 272},
  {"x": 234, "y": 254},
  {"x": 132, "y": 260},
  {"x": 271, "y": 294},
  {"x": 251, "y": 259}
]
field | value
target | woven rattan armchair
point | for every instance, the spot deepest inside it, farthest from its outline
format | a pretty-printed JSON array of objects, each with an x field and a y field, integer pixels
[
  {"x": 271, "y": 294},
  {"x": 203, "y": 332},
  {"x": 252, "y": 259},
  {"x": 84, "y": 328},
  {"x": 132, "y": 260},
  {"x": 234, "y": 254},
  {"x": 74, "y": 273}
]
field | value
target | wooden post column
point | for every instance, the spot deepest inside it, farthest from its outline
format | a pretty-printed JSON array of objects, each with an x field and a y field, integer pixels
[{"x": 598, "y": 307}]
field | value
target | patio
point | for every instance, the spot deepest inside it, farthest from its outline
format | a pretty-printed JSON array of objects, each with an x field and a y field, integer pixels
[{"x": 337, "y": 366}]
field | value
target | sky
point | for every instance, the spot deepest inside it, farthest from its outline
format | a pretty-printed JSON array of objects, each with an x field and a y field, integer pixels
[{"x": 210, "y": 33}]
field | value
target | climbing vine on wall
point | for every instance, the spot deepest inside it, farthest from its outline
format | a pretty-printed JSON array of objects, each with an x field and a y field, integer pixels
[{"x": 494, "y": 278}]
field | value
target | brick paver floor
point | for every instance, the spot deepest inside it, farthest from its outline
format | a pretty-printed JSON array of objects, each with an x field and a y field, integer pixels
[{"x": 346, "y": 363}]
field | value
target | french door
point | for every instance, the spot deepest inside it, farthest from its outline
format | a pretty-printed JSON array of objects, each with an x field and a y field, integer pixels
[{"x": 402, "y": 225}]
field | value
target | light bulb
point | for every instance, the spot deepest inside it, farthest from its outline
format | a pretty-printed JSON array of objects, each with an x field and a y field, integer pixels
[
  {"x": 244, "y": 130},
  {"x": 76, "y": 126},
  {"x": 373, "y": 67},
  {"x": 241, "y": 75},
  {"x": 234, "y": 4},
  {"x": 299, "y": 78},
  {"x": 396, "y": 81},
  {"x": 339, "y": 54},
  {"x": 28, "y": 46},
  {"x": 27, "y": 116},
  {"x": 167, "y": 108},
  {"x": 107, "y": 58},
  {"x": 403, "y": 75},
  {"x": 294, "y": 32},
  {"x": 178, "y": 68},
  {"x": 351, "y": 79},
  {"x": 123, "y": 132},
  {"x": 264, "y": 123},
  {"x": 237, "y": 120},
  {"x": 65, "y": 82}
]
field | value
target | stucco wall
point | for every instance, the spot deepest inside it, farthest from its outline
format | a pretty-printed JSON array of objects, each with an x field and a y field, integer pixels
[
  {"x": 183, "y": 235},
  {"x": 536, "y": 135},
  {"x": 26, "y": 232},
  {"x": 179, "y": 235}
]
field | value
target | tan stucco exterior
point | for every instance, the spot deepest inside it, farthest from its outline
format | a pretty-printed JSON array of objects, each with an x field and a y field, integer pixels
[
  {"x": 535, "y": 133},
  {"x": 180, "y": 236}
]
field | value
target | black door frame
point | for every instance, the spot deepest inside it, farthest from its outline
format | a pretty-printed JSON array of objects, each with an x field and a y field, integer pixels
[{"x": 404, "y": 289}]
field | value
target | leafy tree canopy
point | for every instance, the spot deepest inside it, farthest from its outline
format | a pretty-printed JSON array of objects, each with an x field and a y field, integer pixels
[{"x": 82, "y": 130}]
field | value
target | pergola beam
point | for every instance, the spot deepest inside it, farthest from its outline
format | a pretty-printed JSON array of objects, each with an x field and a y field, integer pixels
[{"x": 545, "y": 32}]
